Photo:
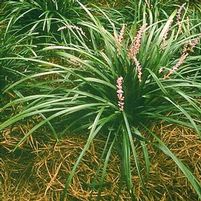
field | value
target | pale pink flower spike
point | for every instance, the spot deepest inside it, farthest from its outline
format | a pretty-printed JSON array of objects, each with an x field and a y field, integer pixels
[
  {"x": 134, "y": 49},
  {"x": 120, "y": 92}
]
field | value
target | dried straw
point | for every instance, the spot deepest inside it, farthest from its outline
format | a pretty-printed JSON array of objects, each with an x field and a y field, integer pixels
[{"x": 40, "y": 174}]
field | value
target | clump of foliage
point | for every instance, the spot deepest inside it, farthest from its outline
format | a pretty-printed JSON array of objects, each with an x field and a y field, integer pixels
[
  {"x": 133, "y": 11},
  {"x": 45, "y": 17},
  {"x": 117, "y": 85}
]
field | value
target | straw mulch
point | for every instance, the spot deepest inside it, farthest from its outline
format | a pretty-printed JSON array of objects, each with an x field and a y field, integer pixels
[{"x": 37, "y": 171}]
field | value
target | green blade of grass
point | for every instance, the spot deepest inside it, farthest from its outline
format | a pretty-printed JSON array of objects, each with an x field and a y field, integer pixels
[
  {"x": 133, "y": 148},
  {"x": 188, "y": 174},
  {"x": 93, "y": 132}
]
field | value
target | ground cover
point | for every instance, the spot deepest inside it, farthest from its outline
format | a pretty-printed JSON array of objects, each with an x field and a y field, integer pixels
[{"x": 101, "y": 102}]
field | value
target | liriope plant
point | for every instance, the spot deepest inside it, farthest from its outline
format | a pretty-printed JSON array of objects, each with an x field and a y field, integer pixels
[
  {"x": 57, "y": 19},
  {"x": 117, "y": 85},
  {"x": 15, "y": 45},
  {"x": 161, "y": 9}
]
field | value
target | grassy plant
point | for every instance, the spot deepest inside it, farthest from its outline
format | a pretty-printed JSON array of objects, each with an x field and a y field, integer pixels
[
  {"x": 53, "y": 18},
  {"x": 117, "y": 86},
  {"x": 15, "y": 45},
  {"x": 134, "y": 11}
]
